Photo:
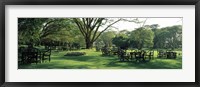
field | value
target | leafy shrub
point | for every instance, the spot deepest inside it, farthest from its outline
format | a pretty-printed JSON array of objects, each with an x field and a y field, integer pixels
[{"x": 75, "y": 54}]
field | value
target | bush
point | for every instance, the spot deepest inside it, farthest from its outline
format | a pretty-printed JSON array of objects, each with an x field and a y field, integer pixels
[{"x": 75, "y": 54}]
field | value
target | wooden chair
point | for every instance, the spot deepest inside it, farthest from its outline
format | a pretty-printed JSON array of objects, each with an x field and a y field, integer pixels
[
  {"x": 171, "y": 55},
  {"x": 34, "y": 56},
  {"x": 122, "y": 55},
  {"x": 140, "y": 56},
  {"x": 20, "y": 57},
  {"x": 132, "y": 55},
  {"x": 149, "y": 55},
  {"x": 30, "y": 55},
  {"x": 106, "y": 51},
  {"x": 162, "y": 54},
  {"x": 46, "y": 54}
]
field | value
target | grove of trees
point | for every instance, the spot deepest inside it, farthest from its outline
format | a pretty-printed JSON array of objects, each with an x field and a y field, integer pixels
[
  {"x": 146, "y": 37},
  {"x": 87, "y": 32}
]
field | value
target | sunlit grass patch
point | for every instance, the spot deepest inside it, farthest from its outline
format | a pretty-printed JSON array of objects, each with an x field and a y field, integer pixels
[{"x": 95, "y": 60}]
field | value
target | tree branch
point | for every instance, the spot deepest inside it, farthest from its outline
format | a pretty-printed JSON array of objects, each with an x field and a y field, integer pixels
[
  {"x": 144, "y": 22},
  {"x": 80, "y": 27},
  {"x": 106, "y": 28}
]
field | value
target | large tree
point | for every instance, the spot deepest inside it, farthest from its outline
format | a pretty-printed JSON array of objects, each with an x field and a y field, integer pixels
[
  {"x": 58, "y": 29},
  {"x": 168, "y": 37},
  {"x": 121, "y": 42},
  {"x": 29, "y": 29},
  {"x": 90, "y": 28},
  {"x": 47, "y": 30},
  {"x": 142, "y": 37}
]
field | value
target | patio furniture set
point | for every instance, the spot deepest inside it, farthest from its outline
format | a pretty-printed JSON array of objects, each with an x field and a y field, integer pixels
[{"x": 33, "y": 55}]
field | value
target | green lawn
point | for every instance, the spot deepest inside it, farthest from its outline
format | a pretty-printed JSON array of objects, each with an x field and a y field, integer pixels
[{"x": 94, "y": 60}]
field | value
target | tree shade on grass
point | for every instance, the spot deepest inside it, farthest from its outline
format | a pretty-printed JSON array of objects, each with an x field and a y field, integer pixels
[{"x": 94, "y": 60}]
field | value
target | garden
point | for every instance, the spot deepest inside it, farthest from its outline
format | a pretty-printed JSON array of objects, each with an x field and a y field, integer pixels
[{"x": 98, "y": 43}]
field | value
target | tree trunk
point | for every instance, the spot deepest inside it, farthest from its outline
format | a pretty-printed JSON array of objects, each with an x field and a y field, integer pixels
[{"x": 89, "y": 43}]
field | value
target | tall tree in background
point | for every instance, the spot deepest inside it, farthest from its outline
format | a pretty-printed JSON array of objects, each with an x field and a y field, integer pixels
[
  {"x": 142, "y": 37},
  {"x": 121, "y": 41},
  {"x": 168, "y": 37},
  {"x": 106, "y": 38},
  {"x": 89, "y": 28}
]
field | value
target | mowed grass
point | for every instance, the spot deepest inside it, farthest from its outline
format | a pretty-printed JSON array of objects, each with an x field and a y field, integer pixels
[{"x": 95, "y": 60}]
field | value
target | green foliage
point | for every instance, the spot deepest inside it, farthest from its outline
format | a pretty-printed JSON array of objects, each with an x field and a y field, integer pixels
[
  {"x": 62, "y": 30},
  {"x": 48, "y": 30},
  {"x": 69, "y": 33},
  {"x": 106, "y": 39},
  {"x": 89, "y": 28},
  {"x": 122, "y": 42},
  {"x": 29, "y": 29},
  {"x": 168, "y": 37},
  {"x": 85, "y": 31},
  {"x": 124, "y": 33},
  {"x": 142, "y": 37}
]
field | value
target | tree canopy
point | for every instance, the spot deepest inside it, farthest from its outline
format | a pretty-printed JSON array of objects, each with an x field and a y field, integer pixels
[
  {"x": 142, "y": 37},
  {"x": 89, "y": 28},
  {"x": 87, "y": 31}
]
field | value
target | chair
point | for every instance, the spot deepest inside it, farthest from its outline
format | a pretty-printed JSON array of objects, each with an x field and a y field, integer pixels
[
  {"x": 35, "y": 56},
  {"x": 162, "y": 54},
  {"x": 140, "y": 55},
  {"x": 30, "y": 55},
  {"x": 20, "y": 57},
  {"x": 150, "y": 54},
  {"x": 122, "y": 55},
  {"x": 106, "y": 51},
  {"x": 171, "y": 55},
  {"x": 46, "y": 54},
  {"x": 137, "y": 56},
  {"x": 132, "y": 55}
]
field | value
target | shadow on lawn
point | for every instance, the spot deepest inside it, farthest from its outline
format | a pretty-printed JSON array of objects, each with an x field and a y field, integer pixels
[
  {"x": 89, "y": 58},
  {"x": 154, "y": 64},
  {"x": 52, "y": 65},
  {"x": 85, "y": 62},
  {"x": 103, "y": 62}
]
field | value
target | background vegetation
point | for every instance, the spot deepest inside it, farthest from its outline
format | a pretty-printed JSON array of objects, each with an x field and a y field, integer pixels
[{"x": 85, "y": 34}]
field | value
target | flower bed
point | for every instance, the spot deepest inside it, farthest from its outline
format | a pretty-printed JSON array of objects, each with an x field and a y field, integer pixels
[{"x": 75, "y": 54}]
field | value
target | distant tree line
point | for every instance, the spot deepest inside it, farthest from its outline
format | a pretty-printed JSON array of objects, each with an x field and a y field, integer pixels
[{"x": 149, "y": 36}]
